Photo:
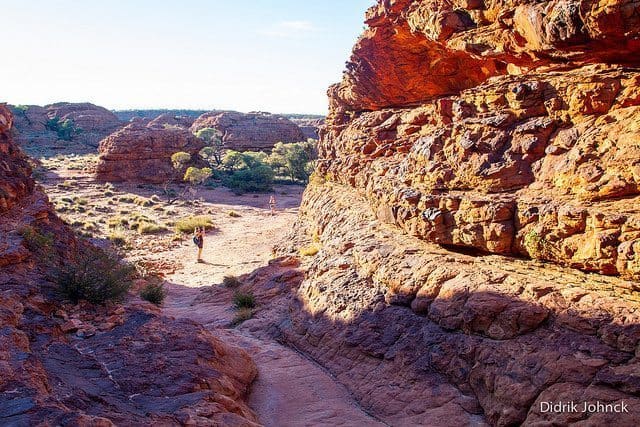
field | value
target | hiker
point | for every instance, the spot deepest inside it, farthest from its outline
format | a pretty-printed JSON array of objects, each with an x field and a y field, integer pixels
[
  {"x": 272, "y": 204},
  {"x": 198, "y": 240}
]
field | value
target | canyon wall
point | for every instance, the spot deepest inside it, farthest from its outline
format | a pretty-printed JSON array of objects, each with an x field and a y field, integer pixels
[
  {"x": 478, "y": 165},
  {"x": 90, "y": 365}
]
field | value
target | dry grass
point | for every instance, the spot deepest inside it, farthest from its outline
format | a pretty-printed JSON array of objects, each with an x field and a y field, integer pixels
[
  {"x": 309, "y": 250},
  {"x": 189, "y": 224}
]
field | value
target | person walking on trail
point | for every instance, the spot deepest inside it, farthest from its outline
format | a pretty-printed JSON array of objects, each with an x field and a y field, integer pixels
[
  {"x": 198, "y": 240},
  {"x": 272, "y": 204}
]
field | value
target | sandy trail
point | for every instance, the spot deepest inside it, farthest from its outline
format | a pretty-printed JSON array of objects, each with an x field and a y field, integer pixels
[{"x": 290, "y": 390}]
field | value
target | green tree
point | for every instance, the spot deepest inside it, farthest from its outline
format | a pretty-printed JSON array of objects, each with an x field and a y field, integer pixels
[
  {"x": 294, "y": 160},
  {"x": 213, "y": 151}
]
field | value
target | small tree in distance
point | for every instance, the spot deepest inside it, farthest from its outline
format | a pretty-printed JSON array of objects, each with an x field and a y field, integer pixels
[{"x": 212, "y": 153}]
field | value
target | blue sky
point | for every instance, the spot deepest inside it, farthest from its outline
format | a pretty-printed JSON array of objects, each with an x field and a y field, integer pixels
[{"x": 270, "y": 55}]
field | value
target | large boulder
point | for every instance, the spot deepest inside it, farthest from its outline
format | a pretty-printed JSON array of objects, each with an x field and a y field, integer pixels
[
  {"x": 142, "y": 152},
  {"x": 91, "y": 123},
  {"x": 85, "y": 116},
  {"x": 250, "y": 132}
]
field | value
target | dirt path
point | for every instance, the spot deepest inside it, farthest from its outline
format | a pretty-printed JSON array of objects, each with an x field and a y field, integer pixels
[{"x": 290, "y": 390}]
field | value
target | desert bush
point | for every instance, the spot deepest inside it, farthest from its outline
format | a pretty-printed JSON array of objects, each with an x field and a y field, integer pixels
[
  {"x": 244, "y": 300},
  {"x": 242, "y": 314},
  {"x": 145, "y": 227},
  {"x": 37, "y": 240},
  {"x": 64, "y": 129},
  {"x": 118, "y": 237},
  {"x": 231, "y": 281},
  {"x": 309, "y": 250},
  {"x": 233, "y": 214},
  {"x": 154, "y": 292},
  {"x": 189, "y": 224},
  {"x": 96, "y": 276},
  {"x": 143, "y": 201}
]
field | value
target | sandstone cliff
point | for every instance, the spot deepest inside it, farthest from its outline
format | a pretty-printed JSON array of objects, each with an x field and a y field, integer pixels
[
  {"x": 250, "y": 132},
  {"x": 141, "y": 152},
  {"x": 95, "y": 365},
  {"x": 468, "y": 141}
]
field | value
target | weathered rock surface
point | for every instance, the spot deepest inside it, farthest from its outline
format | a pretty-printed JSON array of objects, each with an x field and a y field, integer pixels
[
  {"x": 424, "y": 336},
  {"x": 92, "y": 123},
  {"x": 96, "y": 365},
  {"x": 88, "y": 117},
  {"x": 168, "y": 119},
  {"x": 467, "y": 142},
  {"x": 309, "y": 127},
  {"x": 142, "y": 152},
  {"x": 250, "y": 132}
]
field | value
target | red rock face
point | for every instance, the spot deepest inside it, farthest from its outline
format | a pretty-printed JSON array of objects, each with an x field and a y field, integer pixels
[
  {"x": 142, "y": 153},
  {"x": 462, "y": 130},
  {"x": 172, "y": 120},
  {"x": 96, "y": 365},
  {"x": 88, "y": 117},
  {"x": 309, "y": 127},
  {"x": 490, "y": 165},
  {"x": 92, "y": 122},
  {"x": 15, "y": 173},
  {"x": 250, "y": 132}
]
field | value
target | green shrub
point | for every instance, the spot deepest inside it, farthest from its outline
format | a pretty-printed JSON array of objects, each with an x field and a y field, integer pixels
[
  {"x": 258, "y": 179},
  {"x": 36, "y": 240},
  {"x": 189, "y": 224},
  {"x": 244, "y": 300},
  {"x": 96, "y": 276},
  {"x": 143, "y": 201},
  {"x": 154, "y": 292},
  {"x": 64, "y": 129},
  {"x": 231, "y": 281}
]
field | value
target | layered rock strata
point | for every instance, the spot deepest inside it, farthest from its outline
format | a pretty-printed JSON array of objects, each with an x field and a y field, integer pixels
[
  {"x": 141, "y": 152},
  {"x": 476, "y": 156}
]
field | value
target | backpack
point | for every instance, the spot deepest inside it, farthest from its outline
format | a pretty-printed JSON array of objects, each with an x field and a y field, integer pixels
[{"x": 196, "y": 240}]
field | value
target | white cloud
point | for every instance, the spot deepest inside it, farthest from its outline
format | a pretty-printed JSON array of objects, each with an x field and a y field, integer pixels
[{"x": 290, "y": 29}]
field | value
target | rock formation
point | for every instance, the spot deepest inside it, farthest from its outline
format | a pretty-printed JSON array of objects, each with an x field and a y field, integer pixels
[
  {"x": 309, "y": 127},
  {"x": 467, "y": 142},
  {"x": 173, "y": 120},
  {"x": 142, "y": 152},
  {"x": 95, "y": 365},
  {"x": 250, "y": 132},
  {"x": 91, "y": 124}
]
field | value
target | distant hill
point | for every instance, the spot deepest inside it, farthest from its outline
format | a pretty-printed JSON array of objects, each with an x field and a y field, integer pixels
[{"x": 127, "y": 115}]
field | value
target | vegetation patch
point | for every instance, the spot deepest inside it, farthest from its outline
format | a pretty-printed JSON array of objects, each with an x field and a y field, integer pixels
[
  {"x": 231, "y": 281},
  {"x": 154, "y": 291},
  {"x": 96, "y": 276},
  {"x": 189, "y": 224},
  {"x": 244, "y": 300},
  {"x": 310, "y": 250}
]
